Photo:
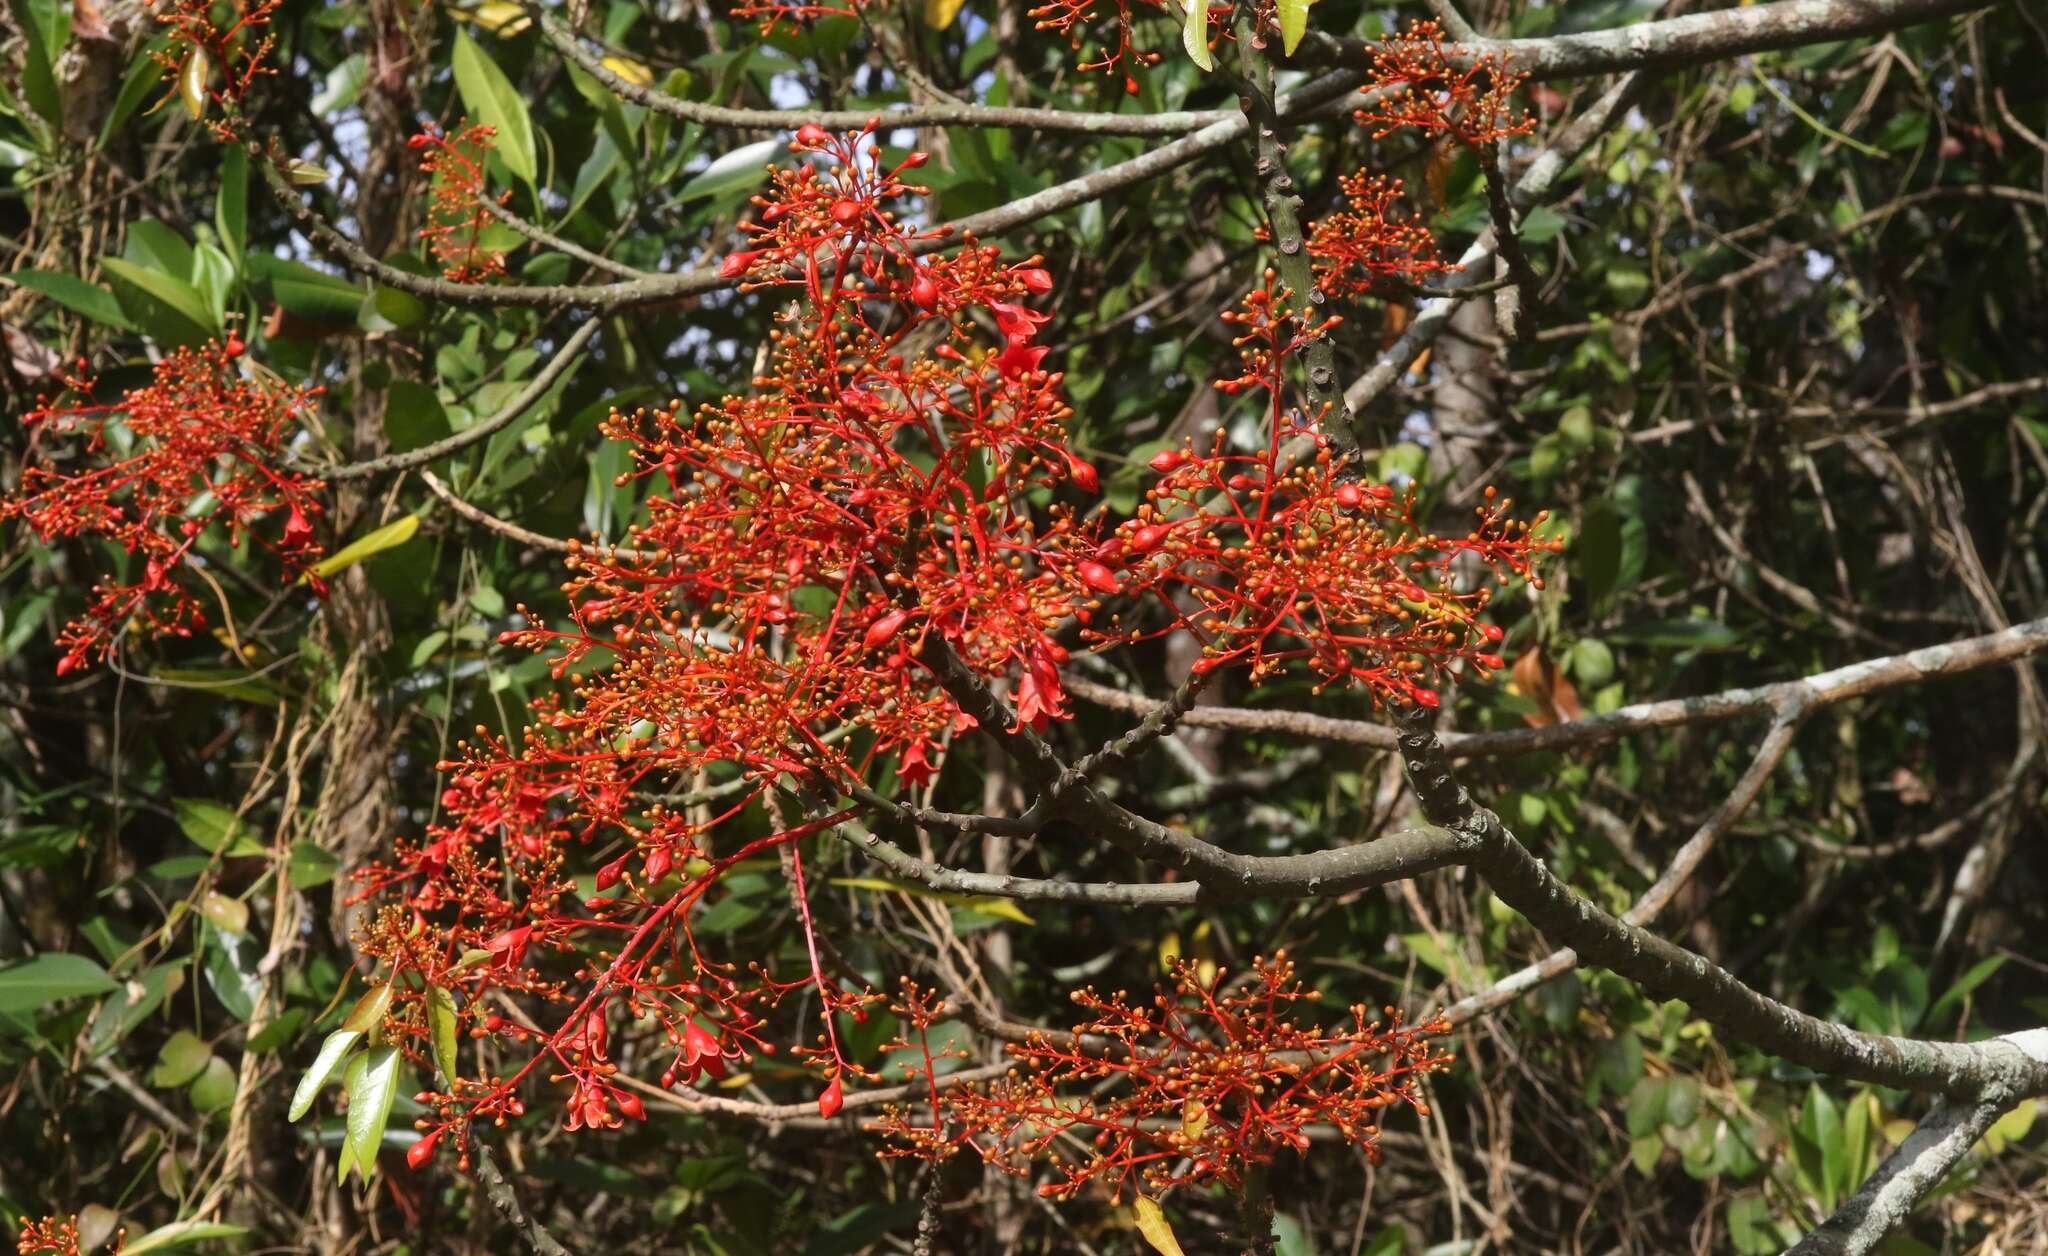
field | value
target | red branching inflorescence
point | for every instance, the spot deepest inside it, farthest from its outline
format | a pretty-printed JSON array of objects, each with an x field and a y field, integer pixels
[
  {"x": 201, "y": 444},
  {"x": 1357, "y": 251},
  {"x": 1210, "y": 1080},
  {"x": 208, "y": 60},
  {"x": 1072, "y": 18},
  {"x": 895, "y": 489},
  {"x": 1418, "y": 83},
  {"x": 58, "y": 1236},
  {"x": 456, "y": 216},
  {"x": 1270, "y": 562},
  {"x": 797, "y": 13}
]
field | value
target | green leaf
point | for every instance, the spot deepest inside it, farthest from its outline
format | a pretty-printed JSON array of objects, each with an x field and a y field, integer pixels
[
  {"x": 413, "y": 416},
  {"x": 492, "y": 100},
  {"x": 144, "y": 73},
  {"x": 305, "y": 292},
  {"x": 76, "y": 295},
  {"x": 368, "y": 1013},
  {"x": 332, "y": 1053},
  {"x": 182, "y": 1057},
  {"x": 1194, "y": 36},
  {"x": 441, "y": 1021},
  {"x": 167, "y": 309},
  {"x": 1599, "y": 552},
  {"x": 740, "y": 168},
  {"x": 1680, "y": 634},
  {"x": 1293, "y": 23},
  {"x": 311, "y": 865},
  {"x": 231, "y": 203},
  {"x": 33, "y": 984},
  {"x": 214, "y": 827},
  {"x": 214, "y": 1089},
  {"x": 38, "y": 82},
  {"x": 182, "y": 1234},
  {"x": 1979, "y": 973},
  {"x": 231, "y": 973},
  {"x": 139, "y": 997},
  {"x": 372, "y": 1085},
  {"x": 390, "y": 536}
]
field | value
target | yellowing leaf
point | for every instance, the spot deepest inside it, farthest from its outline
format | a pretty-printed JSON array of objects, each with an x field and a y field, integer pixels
[
  {"x": 390, "y": 536},
  {"x": 1293, "y": 23},
  {"x": 192, "y": 82},
  {"x": 986, "y": 904},
  {"x": 939, "y": 14},
  {"x": 499, "y": 18},
  {"x": 1194, "y": 1120},
  {"x": 229, "y": 915},
  {"x": 1152, "y": 1221},
  {"x": 441, "y": 1020},
  {"x": 630, "y": 70},
  {"x": 1194, "y": 36}
]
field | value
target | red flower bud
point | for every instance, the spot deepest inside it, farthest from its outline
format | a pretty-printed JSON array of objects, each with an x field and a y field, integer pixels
[
  {"x": 1167, "y": 460},
  {"x": 737, "y": 264},
  {"x": 234, "y": 347},
  {"x": 1098, "y": 577},
  {"x": 1149, "y": 538},
  {"x": 915, "y": 160},
  {"x": 629, "y": 1103},
  {"x": 658, "y": 861},
  {"x": 810, "y": 134},
  {"x": 1035, "y": 278},
  {"x": 1083, "y": 473},
  {"x": 832, "y": 1100},
  {"x": 1348, "y": 496},
  {"x": 883, "y": 630},
  {"x": 423, "y": 1150},
  {"x": 609, "y": 875},
  {"x": 924, "y": 292},
  {"x": 845, "y": 211}
]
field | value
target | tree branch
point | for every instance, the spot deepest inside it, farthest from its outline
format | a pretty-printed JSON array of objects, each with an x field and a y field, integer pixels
[{"x": 1936, "y": 1145}]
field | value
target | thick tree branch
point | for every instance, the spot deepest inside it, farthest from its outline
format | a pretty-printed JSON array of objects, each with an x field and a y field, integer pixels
[
  {"x": 1820, "y": 690},
  {"x": 1669, "y": 971},
  {"x": 1934, "y": 1148}
]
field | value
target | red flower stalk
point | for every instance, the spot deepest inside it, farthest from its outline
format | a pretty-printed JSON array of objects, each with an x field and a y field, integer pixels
[
  {"x": 201, "y": 444},
  {"x": 1428, "y": 88},
  {"x": 1211, "y": 1080},
  {"x": 456, "y": 217}
]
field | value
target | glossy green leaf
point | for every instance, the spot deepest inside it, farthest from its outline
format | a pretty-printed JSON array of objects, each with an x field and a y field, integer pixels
[
  {"x": 182, "y": 1234},
  {"x": 332, "y": 1052},
  {"x": 76, "y": 295},
  {"x": 441, "y": 1022},
  {"x": 492, "y": 99},
  {"x": 390, "y": 536},
  {"x": 372, "y": 1085},
  {"x": 32, "y": 984}
]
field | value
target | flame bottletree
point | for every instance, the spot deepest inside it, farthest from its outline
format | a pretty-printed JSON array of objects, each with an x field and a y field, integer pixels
[{"x": 850, "y": 497}]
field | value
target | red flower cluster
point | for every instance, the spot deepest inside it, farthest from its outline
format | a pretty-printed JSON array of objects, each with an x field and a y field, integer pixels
[
  {"x": 200, "y": 445},
  {"x": 1211, "y": 1080},
  {"x": 1284, "y": 561},
  {"x": 58, "y": 1236},
  {"x": 456, "y": 217},
  {"x": 797, "y": 13},
  {"x": 1356, "y": 250},
  {"x": 1427, "y": 88},
  {"x": 1064, "y": 16},
  {"x": 895, "y": 486},
  {"x": 212, "y": 62}
]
